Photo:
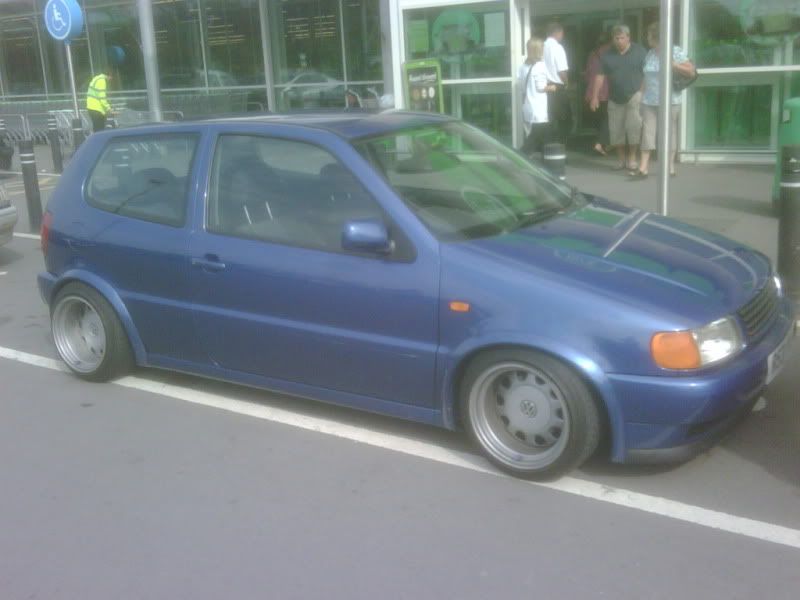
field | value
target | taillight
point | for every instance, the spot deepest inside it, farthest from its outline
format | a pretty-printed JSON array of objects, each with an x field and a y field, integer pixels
[{"x": 44, "y": 234}]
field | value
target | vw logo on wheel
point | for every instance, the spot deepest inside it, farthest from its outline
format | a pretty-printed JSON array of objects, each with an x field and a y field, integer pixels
[{"x": 528, "y": 408}]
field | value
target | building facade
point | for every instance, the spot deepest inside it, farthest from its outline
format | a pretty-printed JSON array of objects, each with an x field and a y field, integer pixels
[{"x": 238, "y": 55}]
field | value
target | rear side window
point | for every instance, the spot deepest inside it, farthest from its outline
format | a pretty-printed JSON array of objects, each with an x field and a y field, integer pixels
[{"x": 144, "y": 178}]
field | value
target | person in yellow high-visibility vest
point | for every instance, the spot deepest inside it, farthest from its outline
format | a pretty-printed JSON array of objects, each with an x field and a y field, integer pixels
[{"x": 96, "y": 102}]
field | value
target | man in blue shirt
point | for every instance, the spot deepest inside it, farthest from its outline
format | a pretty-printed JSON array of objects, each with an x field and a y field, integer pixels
[{"x": 623, "y": 65}]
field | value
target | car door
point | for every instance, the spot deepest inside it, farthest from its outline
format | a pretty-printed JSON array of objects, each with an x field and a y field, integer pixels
[
  {"x": 276, "y": 295},
  {"x": 134, "y": 234}
]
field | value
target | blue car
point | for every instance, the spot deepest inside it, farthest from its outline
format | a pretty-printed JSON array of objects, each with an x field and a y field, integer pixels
[{"x": 410, "y": 265}]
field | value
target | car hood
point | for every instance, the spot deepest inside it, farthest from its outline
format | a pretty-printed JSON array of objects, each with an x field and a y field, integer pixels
[{"x": 639, "y": 258}]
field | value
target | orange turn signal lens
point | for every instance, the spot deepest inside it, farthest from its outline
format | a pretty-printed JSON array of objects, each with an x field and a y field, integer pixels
[
  {"x": 459, "y": 306},
  {"x": 675, "y": 350}
]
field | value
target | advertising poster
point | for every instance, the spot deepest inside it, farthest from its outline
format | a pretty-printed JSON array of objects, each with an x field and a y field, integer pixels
[{"x": 423, "y": 85}]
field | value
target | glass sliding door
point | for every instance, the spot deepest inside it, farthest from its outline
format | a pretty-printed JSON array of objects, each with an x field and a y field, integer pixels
[{"x": 472, "y": 42}]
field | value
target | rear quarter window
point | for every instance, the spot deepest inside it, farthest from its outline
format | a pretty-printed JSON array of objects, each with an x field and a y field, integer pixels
[{"x": 144, "y": 177}]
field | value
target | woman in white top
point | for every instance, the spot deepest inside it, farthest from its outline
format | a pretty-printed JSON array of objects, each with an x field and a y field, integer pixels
[{"x": 532, "y": 77}]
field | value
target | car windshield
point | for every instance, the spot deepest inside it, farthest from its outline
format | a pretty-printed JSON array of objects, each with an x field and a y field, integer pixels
[{"x": 462, "y": 184}]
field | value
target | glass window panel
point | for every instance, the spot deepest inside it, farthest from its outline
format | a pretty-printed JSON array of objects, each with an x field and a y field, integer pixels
[
  {"x": 471, "y": 40},
  {"x": 180, "y": 56},
  {"x": 19, "y": 56},
  {"x": 306, "y": 39},
  {"x": 284, "y": 192},
  {"x": 55, "y": 60},
  {"x": 732, "y": 33},
  {"x": 733, "y": 117},
  {"x": 487, "y": 106},
  {"x": 144, "y": 178},
  {"x": 362, "y": 37},
  {"x": 233, "y": 42},
  {"x": 115, "y": 44}
]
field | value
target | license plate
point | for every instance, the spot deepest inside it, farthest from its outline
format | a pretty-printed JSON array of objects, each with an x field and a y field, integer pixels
[{"x": 777, "y": 359}]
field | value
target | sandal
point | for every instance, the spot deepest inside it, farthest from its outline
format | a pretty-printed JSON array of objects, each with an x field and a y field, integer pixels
[
  {"x": 598, "y": 148},
  {"x": 638, "y": 175},
  {"x": 620, "y": 168}
]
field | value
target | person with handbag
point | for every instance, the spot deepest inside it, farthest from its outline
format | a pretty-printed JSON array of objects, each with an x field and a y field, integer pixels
[
  {"x": 532, "y": 76},
  {"x": 683, "y": 71}
]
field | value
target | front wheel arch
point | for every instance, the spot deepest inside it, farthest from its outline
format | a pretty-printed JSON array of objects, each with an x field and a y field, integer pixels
[{"x": 610, "y": 438}]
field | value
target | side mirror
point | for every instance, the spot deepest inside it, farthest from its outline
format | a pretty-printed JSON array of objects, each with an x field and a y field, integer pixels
[{"x": 367, "y": 235}]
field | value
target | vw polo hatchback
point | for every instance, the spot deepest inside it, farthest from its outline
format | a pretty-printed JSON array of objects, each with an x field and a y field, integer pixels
[{"x": 408, "y": 265}]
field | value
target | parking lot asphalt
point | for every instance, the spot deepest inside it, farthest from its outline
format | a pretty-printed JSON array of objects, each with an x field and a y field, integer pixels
[{"x": 137, "y": 491}]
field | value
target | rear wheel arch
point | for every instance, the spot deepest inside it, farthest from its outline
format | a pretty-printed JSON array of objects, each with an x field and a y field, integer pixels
[{"x": 112, "y": 297}]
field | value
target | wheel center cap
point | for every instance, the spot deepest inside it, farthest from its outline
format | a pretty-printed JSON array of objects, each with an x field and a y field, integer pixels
[{"x": 528, "y": 408}]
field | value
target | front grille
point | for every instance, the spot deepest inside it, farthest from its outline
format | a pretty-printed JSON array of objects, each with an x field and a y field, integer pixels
[{"x": 757, "y": 314}]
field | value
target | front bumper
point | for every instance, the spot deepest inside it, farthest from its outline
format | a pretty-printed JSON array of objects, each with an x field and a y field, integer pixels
[{"x": 673, "y": 418}]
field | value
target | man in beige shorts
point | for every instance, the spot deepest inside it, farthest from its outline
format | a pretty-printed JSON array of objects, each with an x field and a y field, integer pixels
[{"x": 623, "y": 65}]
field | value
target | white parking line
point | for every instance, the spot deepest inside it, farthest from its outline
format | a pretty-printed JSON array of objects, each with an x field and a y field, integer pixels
[
  {"x": 751, "y": 528},
  {"x": 27, "y": 236}
]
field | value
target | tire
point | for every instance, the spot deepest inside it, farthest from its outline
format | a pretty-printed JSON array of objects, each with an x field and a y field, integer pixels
[
  {"x": 88, "y": 334},
  {"x": 529, "y": 413}
]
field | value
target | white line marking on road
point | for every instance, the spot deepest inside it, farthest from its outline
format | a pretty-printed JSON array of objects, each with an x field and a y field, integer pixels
[
  {"x": 760, "y": 530},
  {"x": 27, "y": 236},
  {"x": 3, "y": 273}
]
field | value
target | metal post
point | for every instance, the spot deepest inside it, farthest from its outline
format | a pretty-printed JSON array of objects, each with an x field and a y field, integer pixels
[
  {"x": 789, "y": 223},
  {"x": 665, "y": 103},
  {"x": 266, "y": 49},
  {"x": 555, "y": 160},
  {"x": 55, "y": 145},
  {"x": 29, "y": 177},
  {"x": 77, "y": 134},
  {"x": 150, "y": 58},
  {"x": 72, "y": 81},
  {"x": 6, "y": 154}
]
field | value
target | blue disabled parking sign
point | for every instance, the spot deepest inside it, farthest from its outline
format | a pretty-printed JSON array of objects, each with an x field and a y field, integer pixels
[{"x": 64, "y": 19}]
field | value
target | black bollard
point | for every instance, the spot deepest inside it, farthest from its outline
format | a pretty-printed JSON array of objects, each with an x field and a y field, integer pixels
[
  {"x": 789, "y": 223},
  {"x": 31, "y": 180},
  {"x": 555, "y": 160},
  {"x": 77, "y": 134},
  {"x": 55, "y": 145}
]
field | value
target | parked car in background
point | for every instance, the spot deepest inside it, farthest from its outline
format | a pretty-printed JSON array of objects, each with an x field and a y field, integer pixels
[
  {"x": 8, "y": 217},
  {"x": 312, "y": 89},
  {"x": 410, "y": 265}
]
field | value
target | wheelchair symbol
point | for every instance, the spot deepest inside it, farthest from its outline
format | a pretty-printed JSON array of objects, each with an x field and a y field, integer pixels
[{"x": 58, "y": 20}]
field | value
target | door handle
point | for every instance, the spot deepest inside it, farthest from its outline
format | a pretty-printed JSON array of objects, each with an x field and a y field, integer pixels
[{"x": 209, "y": 262}]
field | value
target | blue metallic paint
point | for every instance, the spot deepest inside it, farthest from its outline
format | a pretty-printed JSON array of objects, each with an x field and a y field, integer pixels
[{"x": 541, "y": 287}]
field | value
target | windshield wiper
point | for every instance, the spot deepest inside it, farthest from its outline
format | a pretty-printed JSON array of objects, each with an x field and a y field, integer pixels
[{"x": 537, "y": 216}]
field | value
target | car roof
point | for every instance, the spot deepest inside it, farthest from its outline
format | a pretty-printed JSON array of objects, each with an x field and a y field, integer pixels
[{"x": 349, "y": 125}]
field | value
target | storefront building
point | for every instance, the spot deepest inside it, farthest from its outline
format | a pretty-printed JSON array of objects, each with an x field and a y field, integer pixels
[{"x": 240, "y": 55}]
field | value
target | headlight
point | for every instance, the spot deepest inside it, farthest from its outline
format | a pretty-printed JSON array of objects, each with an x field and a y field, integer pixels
[{"x": 697, "y": 347}]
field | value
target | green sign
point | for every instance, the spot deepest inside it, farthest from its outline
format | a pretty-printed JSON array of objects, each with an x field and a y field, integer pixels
[{"x": 423, "y": 85}]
